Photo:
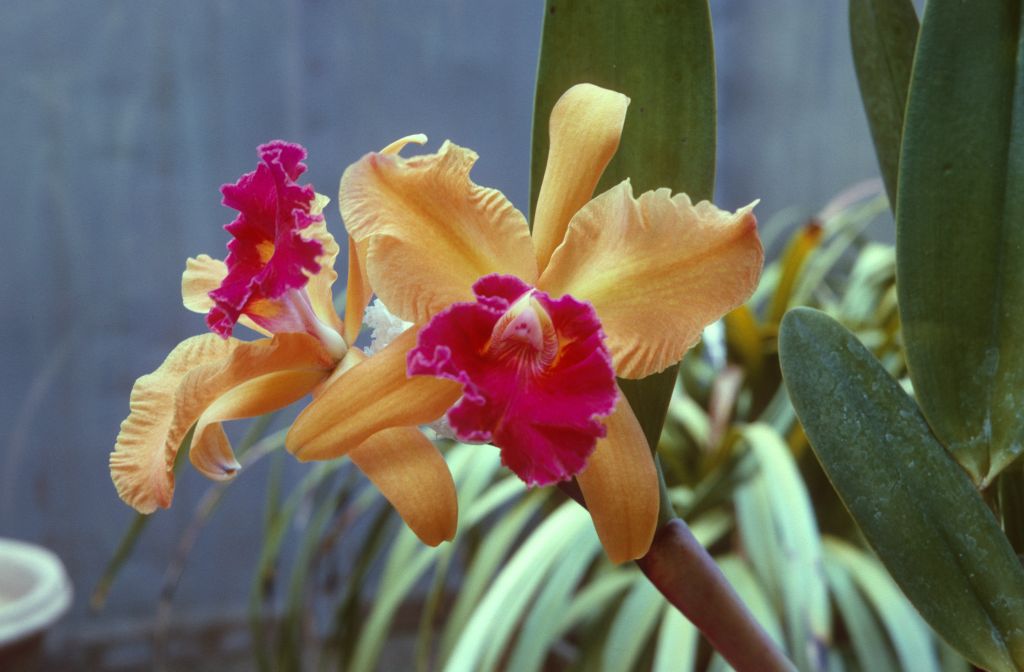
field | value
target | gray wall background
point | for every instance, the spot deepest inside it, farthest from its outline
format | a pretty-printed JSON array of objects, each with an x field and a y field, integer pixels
[{"x": 121, "y": 118}]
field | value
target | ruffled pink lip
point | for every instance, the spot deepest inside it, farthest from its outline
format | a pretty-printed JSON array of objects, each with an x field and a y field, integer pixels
[
  {"x": 267, "y": 255},
  {"x": 537, "y": 377}
]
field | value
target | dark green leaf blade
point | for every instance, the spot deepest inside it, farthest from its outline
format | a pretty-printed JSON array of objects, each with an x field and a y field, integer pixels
[
  {"x": 660, "y": 54},
  {"x": 960, "y": 231},
  {"x": 883, "y": 34},
  {"x": 916, "y": 507}
]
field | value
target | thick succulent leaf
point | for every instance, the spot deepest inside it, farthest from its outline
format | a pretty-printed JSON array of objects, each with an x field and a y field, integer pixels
[
  {"x": 914, "y": 504},
  {"x": 883, "y": 34},
  {"x": 960, "y": 231},
  {"x": 660, "y": 54}
]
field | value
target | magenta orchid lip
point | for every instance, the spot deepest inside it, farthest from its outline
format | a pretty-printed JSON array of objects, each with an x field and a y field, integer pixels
[{"x": 536, "y": 374}]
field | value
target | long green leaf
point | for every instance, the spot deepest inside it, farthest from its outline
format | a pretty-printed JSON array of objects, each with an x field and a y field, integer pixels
[
  {"x": 960, "y": 231},
  {"x": 869, "y": 643},
  {"x": 778, "y": 527},
  {"x": 916, "y": 507},
  {"x": 914, "y": 647},
  {"x": 495, "y": 618},
  {"x": 632, "y": 627},
  {"x": 754, "y": 596},
  {"x": 678, "y": 638},
  {"x": 660, "y": 54},
  {"x": 883, "y": 34},
  {"x": 540, "y": 627},
  {"x": 408, "y": 560}
]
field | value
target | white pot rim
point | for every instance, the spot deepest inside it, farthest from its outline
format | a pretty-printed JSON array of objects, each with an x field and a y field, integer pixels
[{"x": 47, "y": 595}]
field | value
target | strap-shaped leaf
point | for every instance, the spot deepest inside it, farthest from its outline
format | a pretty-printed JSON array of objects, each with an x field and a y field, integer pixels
[
  {"x": 960, "y": 231},
  {"x": 660, "y": 54},
  {"x": 916, "y": 507},
  {"x": 883, "y": 34}
]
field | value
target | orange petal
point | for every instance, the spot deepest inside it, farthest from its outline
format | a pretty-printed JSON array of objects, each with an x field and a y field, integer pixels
[
  {"x": 211, "y": 452},
  {"x": 358, "y": 291},
  {"x": 398, "y": 145},
  {"x": 142, "y": 462},
  {"x": 409, "y": 470},
  {"x": 431, "y": 233},
  {"x": 202, "y": 275},
  {"x": 319, "y": 286},
  {"x": 371, "y": 396},
  {"x": 586, "y": 124},
  {"x": 657, "y": 269},
  {"x": 620, "y": 487},
  {"x": 166, "y": 403},
  {"x": 237, "y": 377}
]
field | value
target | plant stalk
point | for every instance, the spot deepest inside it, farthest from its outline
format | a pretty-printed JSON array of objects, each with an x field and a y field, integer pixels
[{"x": 681, "y": 568}]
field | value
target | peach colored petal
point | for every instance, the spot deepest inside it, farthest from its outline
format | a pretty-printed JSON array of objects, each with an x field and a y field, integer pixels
[
  {"x": 319, "y": 286},
  {"x": 620, "y": 487},
  {"x": 410, "y": 472},
  {"x": 430, "y": 231},
  {"x": 657, "y": 269},
  {"x": 211, "y": 452},
  {"x": 358, "y": 291},
  {"x": 202, "y": 275},
  {"x": 141, "y": 464},
  {"x": 586, "y": 124},
  {"x": 165, "y": 404},
  {"x": 373, "y": 395},
  {"x": 398, "y": 145}
]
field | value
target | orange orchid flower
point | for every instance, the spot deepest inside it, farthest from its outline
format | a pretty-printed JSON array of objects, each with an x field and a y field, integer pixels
[
  {"x": 277, "y": 281},
  {"x": 531, "y": 330}
]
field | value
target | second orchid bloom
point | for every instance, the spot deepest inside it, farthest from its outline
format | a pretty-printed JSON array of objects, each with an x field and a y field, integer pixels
[{"x": 523, "y": 335}]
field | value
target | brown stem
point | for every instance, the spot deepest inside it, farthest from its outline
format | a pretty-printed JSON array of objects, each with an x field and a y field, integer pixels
[{"x": 684, "y": 572}]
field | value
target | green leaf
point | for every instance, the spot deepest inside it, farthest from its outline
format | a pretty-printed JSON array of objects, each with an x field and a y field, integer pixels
[
  {"x": 753, "y": 595},
  {"x": 677, "y": 643},
  {"x": 1011, "y": 505},
  {"x": 960, "y": 231},
  {"x": 540, "y": 629},
  {"x": 860, "y": 623},
  {"x": 915, "y": 506},
  {"x": 660, "y": 54},
  {"x": 495, "y": 618},
  {"x": 633, "y": 625},
  {"x": 408, "y": 560},
  {"x": 485, "y": 563},
  {"x": 779, "y": 531},
  {"x": 914, "y": 647},
  {"x": 883, "y": 34},
  {"x": 596, "y": 596},
  {"x": 657, "y": 52}
]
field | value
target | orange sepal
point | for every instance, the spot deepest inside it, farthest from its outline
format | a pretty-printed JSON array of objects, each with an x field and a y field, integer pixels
[{"x": 620, "y": 487}]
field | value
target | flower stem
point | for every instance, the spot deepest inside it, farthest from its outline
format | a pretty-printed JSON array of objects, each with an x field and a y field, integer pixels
[{"x": 680, "y": 567}]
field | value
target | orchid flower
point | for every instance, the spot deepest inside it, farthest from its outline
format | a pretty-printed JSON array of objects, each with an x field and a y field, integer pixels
[
  {"x": 277, "y": 281},
  {"x": 531, "y": 330}
]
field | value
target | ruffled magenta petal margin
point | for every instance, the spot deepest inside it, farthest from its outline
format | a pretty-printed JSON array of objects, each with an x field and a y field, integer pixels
[
  {"x": 267, "y": 256},
  {"x": 546, "y": 420}
]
